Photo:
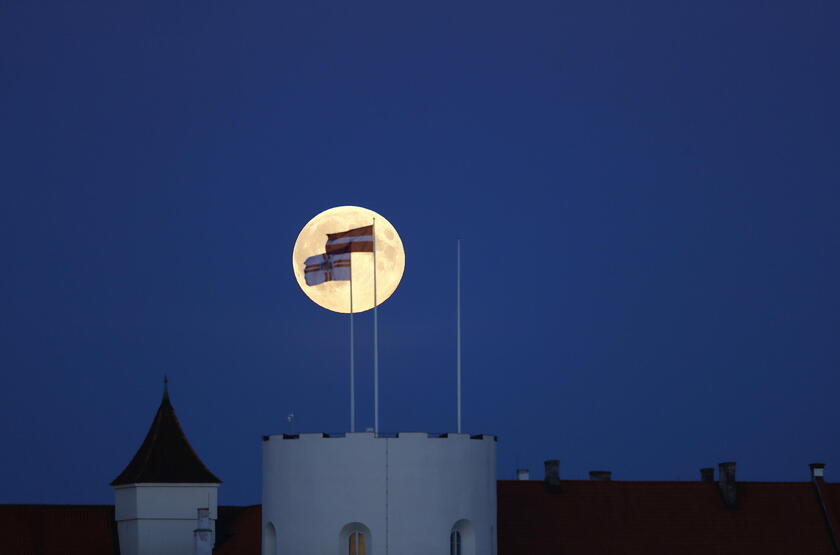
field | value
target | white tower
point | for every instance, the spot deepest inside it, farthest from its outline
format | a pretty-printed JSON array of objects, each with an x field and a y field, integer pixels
[
  {"x": 162, "y": 491},
  {"x": 364, "y": 495}
]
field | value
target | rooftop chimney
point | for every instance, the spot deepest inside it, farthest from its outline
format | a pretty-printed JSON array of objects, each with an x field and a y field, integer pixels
[
  {"x": 552, "y": 473},
  {"x": 204, "y": 539},
  {"x": 707, "y": 474},
  {"x": 523, "y": 474},
  {"x": 817, "y": 470},
  {"x": 726, "y": 484},
  {"x": 600, "y": 475}
]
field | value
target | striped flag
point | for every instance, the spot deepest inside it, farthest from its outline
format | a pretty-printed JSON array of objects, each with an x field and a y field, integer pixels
[
  {"x": 355, "y": 240},
  {"x": 326, "y": 267}
]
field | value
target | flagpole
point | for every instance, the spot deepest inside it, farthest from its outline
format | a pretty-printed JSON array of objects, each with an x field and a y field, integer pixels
[
  {"x": 375, "y": 341},
  {"x": 352, "y": 358},
  {"x": 458, "y": 299}
]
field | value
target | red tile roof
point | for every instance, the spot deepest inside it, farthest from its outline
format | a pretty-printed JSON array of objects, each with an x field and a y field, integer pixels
[
  {"x": 165, "y": 455},
  {"x": 238, "y": 530},
  {"x": 58, "y": 530},
  {"x": 592, "y": 518},
  {"x": 579, "y": 518}
]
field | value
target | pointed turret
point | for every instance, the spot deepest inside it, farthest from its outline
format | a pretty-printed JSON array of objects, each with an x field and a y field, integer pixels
[
  {"x": 162, "y": 489},
  {"x": 165, "y": 455}
]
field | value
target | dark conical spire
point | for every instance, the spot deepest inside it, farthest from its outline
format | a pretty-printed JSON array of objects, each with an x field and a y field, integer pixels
[{"x": 165, "y": 455}]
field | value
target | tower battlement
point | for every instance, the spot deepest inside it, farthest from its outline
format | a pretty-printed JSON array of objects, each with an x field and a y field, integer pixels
[{"x": 371, "y": 435}]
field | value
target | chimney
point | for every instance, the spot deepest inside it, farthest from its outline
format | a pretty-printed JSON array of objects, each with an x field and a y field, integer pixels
[
  {"x": 203, "y": 533},
  {"x": 600, "y": 475},
  {"x": 552, "y": 473},
  {"x": 523, "y": 474},
  {"x": 726, "y": 484},
  {"x": 817, "y": 470},
  {"x": 707, "y": 474}
]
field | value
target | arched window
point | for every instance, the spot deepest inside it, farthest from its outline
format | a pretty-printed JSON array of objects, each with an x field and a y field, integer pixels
[
  {"x": 355, "y": 539},
  {"x": 269, "y": 540},
  {"x": 356, "y": 544},
  {"x": 455, "y": 543},
  {"x": 462, "y": 538}
]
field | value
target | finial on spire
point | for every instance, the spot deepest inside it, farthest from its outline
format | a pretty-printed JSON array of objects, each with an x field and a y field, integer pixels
[{"x": 165, "y": 387}]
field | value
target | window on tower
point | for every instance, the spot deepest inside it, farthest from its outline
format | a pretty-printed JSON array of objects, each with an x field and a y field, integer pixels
[
  {"x": 357, "y": 544},
  {"x": 355, "y": 539},
  {"x": 455, "y": 543},
  {"x": 462, "y": 538}
]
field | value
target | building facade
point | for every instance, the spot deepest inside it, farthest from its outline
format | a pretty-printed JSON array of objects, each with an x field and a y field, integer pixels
[{"x": 414, "y": 493}]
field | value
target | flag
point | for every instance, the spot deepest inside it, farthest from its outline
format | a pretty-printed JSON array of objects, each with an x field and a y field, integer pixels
[
  {"x": 355, "y": 240},
  {"x": 326, "y": 267}
]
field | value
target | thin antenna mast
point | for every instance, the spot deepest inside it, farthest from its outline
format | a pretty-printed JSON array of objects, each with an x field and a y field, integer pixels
[
  {"x": 458, "y": 349},
  {"x": 352, "y": 357},
  {"x": 375, "y": 342}
]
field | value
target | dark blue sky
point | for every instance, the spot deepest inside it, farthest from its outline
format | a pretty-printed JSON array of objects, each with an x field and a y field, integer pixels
[{"x": 647, "y": 194}]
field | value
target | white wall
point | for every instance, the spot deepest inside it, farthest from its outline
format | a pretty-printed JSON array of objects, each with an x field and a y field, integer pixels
[
  {"x": 159, "y": 519},
  {"x": 409, "y": 491}
]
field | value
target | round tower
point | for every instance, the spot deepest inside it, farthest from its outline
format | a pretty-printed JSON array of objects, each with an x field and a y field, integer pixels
[{"x": 359, "y": 494}]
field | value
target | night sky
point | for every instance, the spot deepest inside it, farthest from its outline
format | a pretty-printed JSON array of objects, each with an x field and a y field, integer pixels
[{"x": 647, "y": 195}]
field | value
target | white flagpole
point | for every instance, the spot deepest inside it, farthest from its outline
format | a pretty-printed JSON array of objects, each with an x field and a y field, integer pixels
[
  {"x": 352, "y": 358},
  {"x": 458, "y": 297},
  {"x": 375, "y": 342}
]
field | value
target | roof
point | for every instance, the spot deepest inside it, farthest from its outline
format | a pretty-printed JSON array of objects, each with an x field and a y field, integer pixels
[
  {"x": 91, "y": 530},
  {"x": 165, "y": 455},
  {"x": 238, "y": 530},
  {"x": 577, "y": 518},
  {"x": 600, "y": 517},
  {"x": 58, "y": 530}
]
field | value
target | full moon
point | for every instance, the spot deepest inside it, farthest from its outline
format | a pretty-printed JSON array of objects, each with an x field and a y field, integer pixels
[{"x": 390, "y": 259}]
